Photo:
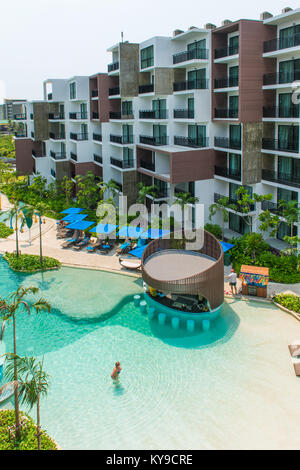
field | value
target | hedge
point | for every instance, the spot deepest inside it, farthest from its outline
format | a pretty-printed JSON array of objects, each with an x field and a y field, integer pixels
[
  {"x": 5, "y": 231},
  {"x": 289, "y": 301},
  {"x": 30, "y": 263}
]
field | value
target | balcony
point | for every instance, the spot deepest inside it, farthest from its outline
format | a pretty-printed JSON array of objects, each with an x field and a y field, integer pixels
[
  {"x": 20, "y": 134},
  {"x": 226, "y": 143},
  {"x": 272, "y": 207},
  {"x": 37, "y": 154},
  {"x": 226, "y": 113},
  {"x": 56, "y": 117},
  {"x": 184, "y": 56},
  {"x": 95, "y": 93},
  {"x": 97, "y": 137},
  {"x": 226, "y": 51},
  {"x": 78, "y": 116},
  {"x": 161, "y": 193},
  {"x": 98, "y": 158},
  {"x": 58, "y": 156},
  {"x": 275, "y": 144},
  {"x": 119, "y": 185},
  {"x": 73, "y": 156},
  {"x": 20, "y": 117},
  {"x": 78, "y": 137},
  {"x": 149, "y": 88},
  {"x": 217, "y": 197},
  {"x": 189, "y": 142},
  {"x": 118, "y": 115},
  {"x": 121, "y": 163},
  {"x": 147, "y": 165},
  {"x": 184, "y": 114},
  {"x": 277, "y": 44},
  {"x": 95, "y": 115},
  {"x": 281, "y": 178},
  {"x": 281, "y": 78},
  {"x": 54, "y": 136},
  {"x": 149, "y": 140},
  {"x": 113, "y": 66},
  {"x": 154, "y": 114},
  {"x": 281, "y": 112},
  {"x": 201, "y": 84},
  {"x": 121, "y": 139},
  {"x": 228, "y": 173},
  {"x": 114, "y": 91},
  {"x": 226, "y": 82}
]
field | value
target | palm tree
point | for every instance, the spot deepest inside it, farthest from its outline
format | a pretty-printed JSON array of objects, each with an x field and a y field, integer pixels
[
  {"x": 33, "y": 384},
  {"x": 291, "y": 212},
  {"x": 8, "y": 311},
  {"x": 15, "y": 212},
  {"x": 111, "y": 187},
  {"x": 220, "y": 206},
  {"x": 40, "y": 212},
  {"x": 143, "y": 191}
]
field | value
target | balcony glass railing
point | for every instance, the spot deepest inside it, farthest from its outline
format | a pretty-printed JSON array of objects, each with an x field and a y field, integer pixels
[
  {"x": 147, "y": 165},
  {"x": 54, "y": 136},
  {"x": 83, "y": 115},
  {"x": 38, "y": 154},
  {"x": 225, "y": 142},
  {"x": 56, "y": 117},
  {"x": 278, "y": 44},
  {"x": 281, "y": 178},
  {"x": 226, "y": 113},
  {"x": 154, "y": 114},
  {"x": 272, "y": 207},
  {"x": 200, "y": 84},
  {"x": 149, "y": 88},
  {"x": 114, "y": 91},
  {"x": 184, "y": 114},
  {"x": 281, "y": 112},
  {"x": 149, "y": 140},
  {"x": 124, "y": 164},
  {"x": 191, "y": 142},
  {"x": 113, "y": 66},
  {"x": 58, "y": 156},
  {"x": 284, "y": 146},
  {"x": 121, "y": 139},
  {"x": 226, "y": 82},
  {"x": 228, "y": 173},
  {"x": 226, "y": 51},
  {"x": 118, "y": 115},
  {"x": 279, "y": 78},
  {"x": 190, "y": 55},
  {"x": 217, "y": 197},
  {"x": 83, "y": 136}
]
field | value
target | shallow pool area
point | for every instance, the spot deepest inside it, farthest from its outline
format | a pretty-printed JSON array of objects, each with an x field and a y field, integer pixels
[{"x": 232, "y": 387}]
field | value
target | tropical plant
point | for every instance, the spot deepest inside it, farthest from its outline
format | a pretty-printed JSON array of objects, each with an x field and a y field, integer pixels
[
  {"x": 8, "y": 311},
  {"x": 144, "y": 191},
  {"x": 290, "y": 210},
  {"x": 88, "y": 191},
  {"x": 67, "y": 187},
  {"x": 221, "y": 207},
  {"x": 110, "y": 186},
  {"x": 269, "y": 223},
  {"x": 33, "y": 384}
]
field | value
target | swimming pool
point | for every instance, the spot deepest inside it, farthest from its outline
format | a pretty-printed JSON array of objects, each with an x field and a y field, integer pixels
[{"x": 231, "y": 387}]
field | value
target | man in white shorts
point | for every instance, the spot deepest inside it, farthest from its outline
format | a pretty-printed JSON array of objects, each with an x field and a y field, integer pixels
[{"x": 232, "y": 281}]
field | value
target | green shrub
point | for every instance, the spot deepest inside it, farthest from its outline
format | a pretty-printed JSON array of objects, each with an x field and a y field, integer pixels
[
  {"x": 5, "y": 231},
  {"x": 30, "y": 263},
  {"x": 289, "y": 301},
  {"x": 215, "y": 229},
  {"x": 28, "y": 440}
]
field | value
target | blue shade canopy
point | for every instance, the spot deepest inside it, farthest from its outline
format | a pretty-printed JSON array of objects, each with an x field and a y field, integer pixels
[
  {"x": 138, "y": 252},
  {"x": 154, "y": 233},
  {"x": 80, "y": 225},
  {"x": 74, "y": 217},
  {"x": 226, "y": 246},
  {"x": 72, "y": 210},
  {"x": 129, "y": 231},
  {"x": 105, "y": 229}
]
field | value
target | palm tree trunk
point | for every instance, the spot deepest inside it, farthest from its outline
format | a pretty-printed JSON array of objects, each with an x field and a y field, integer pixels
[
  {"x": 41, "y": 251},
  {"x": 38, "y": 426},
  {"x": 17, "y": 237},
  {"x": 17, "y": 410}
]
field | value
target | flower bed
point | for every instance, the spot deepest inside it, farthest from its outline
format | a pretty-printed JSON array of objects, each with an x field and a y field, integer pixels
[
  {"x": 290, "y": 302},
  {"x": 30, "y": 263}
]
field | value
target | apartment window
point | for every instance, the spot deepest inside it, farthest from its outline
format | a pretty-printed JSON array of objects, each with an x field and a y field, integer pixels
[
  {"x": 127, "y": 134},
  {"x": 289, "y": 37},
  {"x": 197, "y": 135},
  {"x": 234, "y": 187},
  {"x": 62, "y": 131},
  {"x": 161, "y": 186},
  {"x": 62, "y": 148},
  {"x": 84, "y": 131},
  {"x": 160, "y": 134},
  {"x": 286, "y": 107},
  {"x": 234, "y": 76},
  {"x": 197, "y": 79},
  {"x": 83, "y": 111},
  {"x": 235, "y": 135},
  {"x": 233, "y": 106},
  {"x": 197, "y": 49},
  {"x": 147, "y": 57},
  {"x": 72, "y": 91},
  {"x": 61, "y": 109},
  {"x": 160, "y": 109},
  {"x": 288, "y": 137},
  {"x": 238, "y": 224},
  {"x": 285, "y": 230},
  {"x": 288, "y": 168},
  {"x": 128, "y": 156},
  {"x": 127, "y": 108},
  {"x": 234, "y": 164},
  {"x": 234, "y": 44},
  {"x": 289, "y": 70}
]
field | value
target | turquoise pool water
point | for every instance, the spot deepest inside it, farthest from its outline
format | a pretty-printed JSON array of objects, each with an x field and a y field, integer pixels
[{"x": 232, "y": 387}]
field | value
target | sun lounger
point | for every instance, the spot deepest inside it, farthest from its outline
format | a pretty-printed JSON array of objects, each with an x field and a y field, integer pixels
[
  {"x": 294, "y": 350},
  {"x": 129, "y": 263},
  {"x": 94, "y": 246},
  {"x": 295, "y": 356},
  {"x": 81, "y": 244},
  {"x": 69, "y": 243}
]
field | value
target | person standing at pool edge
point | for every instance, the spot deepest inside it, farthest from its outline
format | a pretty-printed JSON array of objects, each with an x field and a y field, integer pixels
[
  {"x": 232, "y": 281},
  {"x": 116, "y": 371}
]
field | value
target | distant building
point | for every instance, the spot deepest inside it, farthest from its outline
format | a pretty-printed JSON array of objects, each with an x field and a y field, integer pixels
[{"x": 12, "y": 108}]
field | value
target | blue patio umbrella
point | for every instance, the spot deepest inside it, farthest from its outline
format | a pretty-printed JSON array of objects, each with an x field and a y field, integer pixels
[
  {"x": 138, "y": 252},
  {"x": 80, "y": 225},
  {"x": 154, "y": 233},
  {"x": 74, "y": 217},
  {"x": 226, "y": 246},
  {"x": 104, "y": 229},
  {"x": 72, "y": 210},
  {"x": 129, "y": 231}
]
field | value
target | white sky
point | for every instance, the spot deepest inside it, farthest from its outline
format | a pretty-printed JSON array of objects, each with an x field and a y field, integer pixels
[{"x": 60, "y": 38}]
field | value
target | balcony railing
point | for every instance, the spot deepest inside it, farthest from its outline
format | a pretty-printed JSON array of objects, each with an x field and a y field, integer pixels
[
  {"x": 154, "y": 114},
  {"x": 118, "y": 115},
  {"x": 147, "y": 165},
  {"x": 283, "y": 146},
  {"x": 121, "y": 163},
  {"x": 20, "y": 134},
  {"x": 83, "y": 136},
  {"x": 97, "y": 137},
  {"x": 201, "y": 84},
  {"x": 73, "y": 156},
  {"x": 98, "y": 158},
  {"x": 113, "y": 66},
  {"x": 225, "y": 142},
  {"x": 190, "y": 55},
  {"x": 149, "y": 88},
  {"x": 95, "y": 93},
  {"x": 54, "y": 136},
  {"x": 58, "y": 156},
  {"x": 161, "y": 194},
  {"x": 278, "y": 44},
  {"x": 226, "y": 51},
  {"x": 38, "y": 154},
  {"x": 114, "y": 91},
  {"x": 226, "y": 82},
  {"x": 56, "y": 117},
  {"x": 149, "y": 140},
  {"x": 272, "y": 207},
  {"x": 78, "y": 115},
  {"x": 95, "y": 115},
  {"x": 281, "y": 178},
  {"x": 20, "y": 117},
  {"x": 184, "y": 114},
  {"x": 226, "y": 113},
  {"x": 278, "y": 78},
  {"x": 281, "y": 112},
  {"x": 190, "y": 142},
  {"x": 121, "y": 139},
  {"x": 217, "y": 197},
  {"x": 228, "y": 173}
]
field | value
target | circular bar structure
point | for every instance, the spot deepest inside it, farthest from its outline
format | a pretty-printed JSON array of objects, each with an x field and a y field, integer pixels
[{"x": 169, "y": 266}]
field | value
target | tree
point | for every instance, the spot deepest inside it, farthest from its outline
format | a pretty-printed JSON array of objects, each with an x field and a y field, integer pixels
[
  {"x": 269, "y": 223},
  {"x": 8, "y": 311},
  {"x": 143, "y": 191},
  {"x": 67, "y": 187},
  {"x": 88, "y": 191},
  {"x": 111, "y": 187},
  {"x": 38, "y": 185},
  {"x": 15, "y": 212},
  {"x": 222, "y": 207},
  {"x": 291, "y": 213},
  {"x": 33, "y": 384}
]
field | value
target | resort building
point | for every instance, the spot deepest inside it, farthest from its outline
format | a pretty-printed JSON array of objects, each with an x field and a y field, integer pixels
[{"x": 202, "y": 111}]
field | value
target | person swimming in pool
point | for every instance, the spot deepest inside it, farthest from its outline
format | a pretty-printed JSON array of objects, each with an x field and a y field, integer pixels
[{"x": 116, "y": 371}]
